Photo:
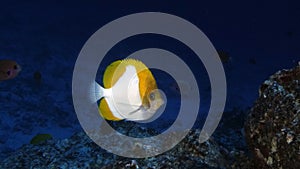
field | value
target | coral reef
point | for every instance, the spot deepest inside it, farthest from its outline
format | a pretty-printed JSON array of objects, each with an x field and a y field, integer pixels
[
  {"x": 79, "y": 151},
  {"x": 272, "y": 128}
]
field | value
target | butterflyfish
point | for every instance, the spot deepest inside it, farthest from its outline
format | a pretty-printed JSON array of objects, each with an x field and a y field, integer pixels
[
  {"x": 129, "y": 92},
  {"x": 9, "y": 69}
]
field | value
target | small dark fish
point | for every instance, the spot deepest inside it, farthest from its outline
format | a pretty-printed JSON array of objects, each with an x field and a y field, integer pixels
[
  {"x": 37, "y": 76},
  {"x": 290, "y": 34},
  {"x": 252, "y": 61},
  {"x": 224, "y": 56},
  {"x": 9, "y": 69}
]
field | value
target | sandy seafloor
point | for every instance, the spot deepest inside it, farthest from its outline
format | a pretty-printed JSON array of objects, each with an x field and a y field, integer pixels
[{"x": 46, "y": 37}]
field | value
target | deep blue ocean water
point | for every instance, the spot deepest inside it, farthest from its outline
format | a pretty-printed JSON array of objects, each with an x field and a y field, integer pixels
[{"x": 47, "y": 36}]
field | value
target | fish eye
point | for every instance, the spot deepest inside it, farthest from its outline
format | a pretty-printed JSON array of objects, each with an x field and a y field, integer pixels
[
  {"x": 152, "y": 96},
  {"x": 15, "y": 67},
  {"x": 8, "y": 72}
]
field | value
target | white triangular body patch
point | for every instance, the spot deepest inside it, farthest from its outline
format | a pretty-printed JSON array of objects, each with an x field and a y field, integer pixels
[{"x": 125, "y": 94}]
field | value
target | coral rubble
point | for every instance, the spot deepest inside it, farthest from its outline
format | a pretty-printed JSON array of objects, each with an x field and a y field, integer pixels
[{"x": 79, "y": 151}]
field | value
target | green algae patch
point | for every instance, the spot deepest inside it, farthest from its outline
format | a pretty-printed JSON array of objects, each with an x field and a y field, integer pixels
[{"x": 40, "y": 138}]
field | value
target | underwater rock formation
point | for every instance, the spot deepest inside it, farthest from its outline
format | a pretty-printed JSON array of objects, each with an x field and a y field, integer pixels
[
  {"x": 79, "y": 151},
  {"x": 273, "y": 126}
]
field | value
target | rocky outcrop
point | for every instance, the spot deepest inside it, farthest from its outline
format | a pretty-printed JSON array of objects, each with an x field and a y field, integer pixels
[{"x": 273, "y": 126}]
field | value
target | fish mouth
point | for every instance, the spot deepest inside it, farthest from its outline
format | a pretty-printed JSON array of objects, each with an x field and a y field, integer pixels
[{"x": 155, "y": 105}]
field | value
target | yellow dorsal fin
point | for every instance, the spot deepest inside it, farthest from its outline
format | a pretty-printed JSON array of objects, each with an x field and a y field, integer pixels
[
  {"x": 116, "y": 69},
  {"x": 136, "y": 63}
]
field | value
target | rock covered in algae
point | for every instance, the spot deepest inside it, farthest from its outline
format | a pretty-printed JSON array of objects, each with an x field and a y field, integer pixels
[{"x": 273, "y": 125}]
